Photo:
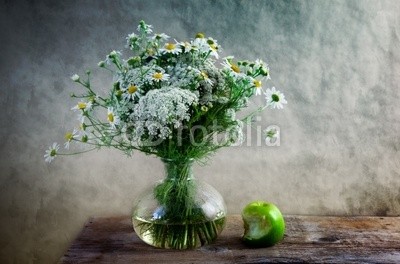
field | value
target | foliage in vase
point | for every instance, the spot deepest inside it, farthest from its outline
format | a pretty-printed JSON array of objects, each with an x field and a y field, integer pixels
[{"x": 175, "y": 100}]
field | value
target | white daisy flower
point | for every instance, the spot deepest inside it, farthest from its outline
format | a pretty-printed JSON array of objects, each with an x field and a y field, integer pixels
[
  {"x": 161, "y": 36},
  {"x": 130, "y": 92},
  {"x": 187, "y": 47},
  {"x": 132, "y": 41},
  {"x": 82, "y": 129},
  {"x": 201, "y": 44},
  {"x": 51, "y": 153},
  {"x": 84, "y": 106},
  {"x": 112, "y": 118},
  {"x": 213, "y": 47},
  {"x": 171, "y": 48},
  {"x": 258, "y": 86},
  {"x": 275, "y": 99},
  {"x": 258, "y": 63},
  {"x": 132, "y": 37},
  {"x": 204, "y": 77},
  {"x": 263, "y": 67},
  {"x": 232, "y": 68},
  {"x": 159, "y": 76},
  {"x": 69, "y": 136}
]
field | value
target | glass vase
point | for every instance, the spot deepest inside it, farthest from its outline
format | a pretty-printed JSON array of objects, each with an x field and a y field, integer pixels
[{"x": 179, "y": 212}]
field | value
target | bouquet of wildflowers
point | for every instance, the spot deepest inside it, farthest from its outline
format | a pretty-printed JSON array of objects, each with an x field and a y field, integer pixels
[{"x": 175, "y": 100}]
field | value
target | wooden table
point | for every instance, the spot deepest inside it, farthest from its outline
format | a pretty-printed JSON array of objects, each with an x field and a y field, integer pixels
[{"x": 308, "y": 239}]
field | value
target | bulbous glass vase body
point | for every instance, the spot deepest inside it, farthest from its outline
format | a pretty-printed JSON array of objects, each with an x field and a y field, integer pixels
[{"x": 179, "y": 212}]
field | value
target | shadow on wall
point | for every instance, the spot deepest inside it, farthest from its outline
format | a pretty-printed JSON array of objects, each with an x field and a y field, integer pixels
[{"x": 372, "y": 197}]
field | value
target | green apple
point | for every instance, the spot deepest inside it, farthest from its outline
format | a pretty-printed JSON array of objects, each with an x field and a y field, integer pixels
[{"x": 264, "y": 225}]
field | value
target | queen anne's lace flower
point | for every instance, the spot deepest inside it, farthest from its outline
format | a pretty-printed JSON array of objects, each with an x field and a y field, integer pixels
[{"x": 162, "y": 109}]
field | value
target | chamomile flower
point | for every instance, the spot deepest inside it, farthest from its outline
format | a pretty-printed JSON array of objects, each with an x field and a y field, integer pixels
[
  {"x": 161, "y": 36},
  {"x": 132, "y": 37},
  {"x": 51, "y": 153},
  {"x": 275, "y": 99},
  {"x": 232, "y": 68},
  {"x": 83, "y": 106},
  {"x": 130, "y": 92},
  {"x": 172, "y": 48},
  {"x": 258, "y": 85},
  {"x": 112, "y": 118},
  {"x": 132, "y": 41},
  {"x": 204, "y": 77},
  {"x": 159, "y": 76},
  {"x": 82, "y": 129},
  {"x": 69, "y": 136},
  {"x": 213, "y": 47},
  {"x": 187, "y": 47},
  {"x": 262, "y": 67},
  {"x": 200, "y": 43}
]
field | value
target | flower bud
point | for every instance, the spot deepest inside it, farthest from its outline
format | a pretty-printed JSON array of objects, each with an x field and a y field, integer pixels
[
  {"x": 75, "y": 77},
  {"x": 199, "y": 35},
  {"x": 101, "y": 64}
]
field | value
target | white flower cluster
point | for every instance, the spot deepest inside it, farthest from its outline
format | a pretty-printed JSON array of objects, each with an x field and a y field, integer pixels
[
  {"x": 166, "y": 86},
  {"x": 161, "y": 110}
]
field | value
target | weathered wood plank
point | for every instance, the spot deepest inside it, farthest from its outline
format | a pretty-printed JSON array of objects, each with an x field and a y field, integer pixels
[{"x": 308, "y": 239}]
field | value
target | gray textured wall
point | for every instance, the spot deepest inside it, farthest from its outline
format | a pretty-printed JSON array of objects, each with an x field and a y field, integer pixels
[{"x": 338, "y": 63}]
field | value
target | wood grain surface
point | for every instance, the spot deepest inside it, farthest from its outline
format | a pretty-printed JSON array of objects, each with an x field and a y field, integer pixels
[{"x": 308, "y": 239}]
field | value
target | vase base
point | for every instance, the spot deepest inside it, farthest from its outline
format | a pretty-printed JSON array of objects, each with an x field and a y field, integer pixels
[{"x": 178, "y": 236}]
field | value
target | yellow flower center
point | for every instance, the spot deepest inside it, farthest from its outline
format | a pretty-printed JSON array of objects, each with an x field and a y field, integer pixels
[
  {"x": 81, "y": 105},
  {"x": 213, "y": 47},
  {"x": 110, "y": 117},
  {"x": 132, "y": 89},
  {"x": 257, "y": 83},
  {"x": 235, "y": 68},
  {"x": 170, "y": 46},
  {"x": 204, "y": 75},
  {"x": 158, "y": 75},
  {"x": 68, "y": 136}
]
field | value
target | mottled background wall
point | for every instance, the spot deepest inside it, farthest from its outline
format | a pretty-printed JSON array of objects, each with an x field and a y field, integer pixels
[{"x": 338, "y": 63}]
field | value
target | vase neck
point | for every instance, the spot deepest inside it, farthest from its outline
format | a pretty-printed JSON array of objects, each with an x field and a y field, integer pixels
[{"x": 178, "y": 169}]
